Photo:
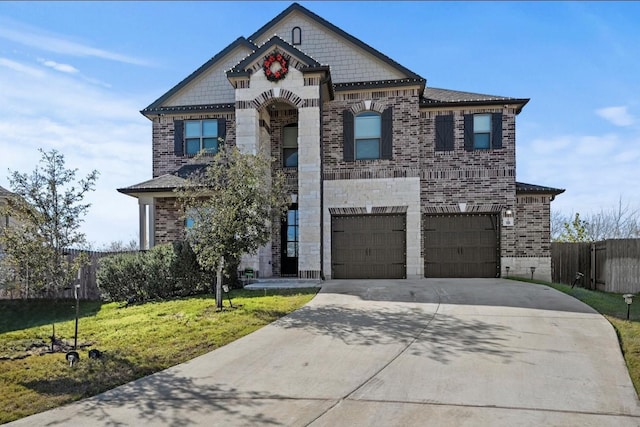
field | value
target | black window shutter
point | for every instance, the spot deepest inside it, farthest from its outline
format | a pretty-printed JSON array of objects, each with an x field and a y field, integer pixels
[
  {"x": 222, "y": 129},
  {"x": 468, "y": 132},
  {"x": 496, "y": 130},
  {"x": 347, "y": 130},
  {"x": 386, "y": 134},
  {"x": 178, "y": 137},
  {"x": 444, "y": 133}
]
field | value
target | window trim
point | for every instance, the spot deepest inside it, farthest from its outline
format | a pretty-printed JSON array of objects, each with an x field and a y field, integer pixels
[
  {"x": 488, "y": 116},
  {"x": 495, "y": 126},
  {"x": 202, "y": 137},
  {"x": 368, "y": 113},
  {"x": 296, "y": 36}
]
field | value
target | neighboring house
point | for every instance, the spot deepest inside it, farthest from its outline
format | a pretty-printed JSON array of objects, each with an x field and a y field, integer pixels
[{"x": 389, "y": 178}]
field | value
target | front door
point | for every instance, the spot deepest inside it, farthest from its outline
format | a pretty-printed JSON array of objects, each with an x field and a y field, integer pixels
[{"x": 290, "y": 243}]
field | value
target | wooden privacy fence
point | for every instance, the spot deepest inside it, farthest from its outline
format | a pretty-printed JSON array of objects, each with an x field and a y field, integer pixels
[
  {"x": 610, "y": 265},
  {"x": 88, "y": 289}
]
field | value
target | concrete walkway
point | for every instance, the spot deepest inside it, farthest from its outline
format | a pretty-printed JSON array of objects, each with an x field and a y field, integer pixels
[{"x": 476, "y": 352}]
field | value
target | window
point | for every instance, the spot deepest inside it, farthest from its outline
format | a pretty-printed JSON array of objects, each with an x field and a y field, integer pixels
[
  {"x": 367, "y": 135},
  {"x": 189, "y": 222},
  {"x": 290, "y": 145},
  {"x": 201, "y": 135},
  {"x": 296, "y": 36},
  {"x": 482, "y": 131},
  {"x": 292, "y": 233}
]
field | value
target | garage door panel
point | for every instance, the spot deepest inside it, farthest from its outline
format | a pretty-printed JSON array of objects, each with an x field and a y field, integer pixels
[
  {"x": 368, "y": 246},
  {"x": 461, "y": 245}
]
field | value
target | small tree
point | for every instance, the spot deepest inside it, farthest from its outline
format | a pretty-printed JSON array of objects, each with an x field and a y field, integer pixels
[
  {"x": 233, "y": 203},
  {"x": 47, "y": 208},
  {"x": 575, "y": 231}
]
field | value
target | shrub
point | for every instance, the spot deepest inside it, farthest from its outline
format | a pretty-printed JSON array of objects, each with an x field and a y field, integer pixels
[
  {"x": 165, "y": 271},
  {"x": 122, "y": 276}
]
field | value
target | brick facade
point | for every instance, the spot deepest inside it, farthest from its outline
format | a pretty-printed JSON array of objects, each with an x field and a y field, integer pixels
[{"x": 417, "y": 177}]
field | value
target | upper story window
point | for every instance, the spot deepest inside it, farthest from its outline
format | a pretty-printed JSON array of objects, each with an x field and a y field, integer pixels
[
  {"x": 296, "y": 36},
  {"x": 368, "y": 135},
  {"x": 482, "y": 131},
  {"x": 194, "y": 136},
  {"x": 201, "y": 135},
  {"x": 290, "y": 145}
]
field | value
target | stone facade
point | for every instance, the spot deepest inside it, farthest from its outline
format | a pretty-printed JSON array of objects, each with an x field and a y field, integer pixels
[{"x": 331, "y": 74}]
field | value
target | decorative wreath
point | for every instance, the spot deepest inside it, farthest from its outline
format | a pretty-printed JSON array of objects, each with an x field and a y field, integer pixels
[{"x": 275, "y": 67}]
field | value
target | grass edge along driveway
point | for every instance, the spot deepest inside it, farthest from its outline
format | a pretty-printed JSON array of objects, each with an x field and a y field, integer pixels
[{"x": 136, "y": 341}]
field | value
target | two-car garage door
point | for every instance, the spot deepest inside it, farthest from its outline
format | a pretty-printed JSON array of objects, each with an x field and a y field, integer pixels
[
  {"x": 368, "y": 246},
  {"x": 374, "y": 246},
  {"x": 460, "y": 245}
]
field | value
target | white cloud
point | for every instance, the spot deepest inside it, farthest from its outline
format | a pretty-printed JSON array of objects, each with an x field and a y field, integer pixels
[
  {"x": 94, "y": 129},
  {"x": 50, "y": 42},
  {"x": 20, "y": 68},
  {"x": 619, "y": 116},
  {"x": 595, "y": 170},
  {"x": 64, "y": 68}
]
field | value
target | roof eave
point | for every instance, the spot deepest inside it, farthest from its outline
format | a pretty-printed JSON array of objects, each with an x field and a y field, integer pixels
[{"x": 519, "y": 103}]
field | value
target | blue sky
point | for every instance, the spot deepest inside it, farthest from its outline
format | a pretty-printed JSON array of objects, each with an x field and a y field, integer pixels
[{"x": 74, "y": 76}]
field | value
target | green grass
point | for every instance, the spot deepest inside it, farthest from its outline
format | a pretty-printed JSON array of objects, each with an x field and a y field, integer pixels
[
  {"x": 614, "y": 309},
  {"x": 136, "y": 341}
]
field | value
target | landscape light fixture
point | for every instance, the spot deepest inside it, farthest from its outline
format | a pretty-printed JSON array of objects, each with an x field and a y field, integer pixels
[
  {"x": 507, "y": 268},
  {"x": 533, "y": 270},
  {"x": 628, "y": 298}
]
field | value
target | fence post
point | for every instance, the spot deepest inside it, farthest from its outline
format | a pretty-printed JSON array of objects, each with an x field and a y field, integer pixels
[{"x": 592, "y": 279}]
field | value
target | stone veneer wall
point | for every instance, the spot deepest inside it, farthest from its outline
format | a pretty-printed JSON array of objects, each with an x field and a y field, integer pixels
[{"x": 388, "y": 192}]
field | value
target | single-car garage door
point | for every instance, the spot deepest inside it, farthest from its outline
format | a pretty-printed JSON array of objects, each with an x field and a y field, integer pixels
[
  {"x": 463, "y": 245},
  {"x": 368, "y": 247}
]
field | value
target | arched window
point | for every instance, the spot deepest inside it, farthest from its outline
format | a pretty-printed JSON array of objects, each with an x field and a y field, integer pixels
[
  {"x": 290, "y": 146},
  {"x": 296, "y": 36},
  {"x": 368, "y": 130}
]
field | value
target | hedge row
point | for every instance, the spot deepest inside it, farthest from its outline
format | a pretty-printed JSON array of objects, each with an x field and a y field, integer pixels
[{"x": 165, "y": 271}]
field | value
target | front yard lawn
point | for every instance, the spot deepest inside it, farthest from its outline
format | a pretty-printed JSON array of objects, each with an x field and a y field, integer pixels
[{"x": 136, "y": 341}]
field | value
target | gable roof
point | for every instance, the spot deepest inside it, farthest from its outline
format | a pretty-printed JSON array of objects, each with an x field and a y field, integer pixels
[
  {"x": 240, "y": 41},
  {"x": 295, "y": 7},
  {"x": 275, "y": 41},
  {"x": 434, "y": 97}
]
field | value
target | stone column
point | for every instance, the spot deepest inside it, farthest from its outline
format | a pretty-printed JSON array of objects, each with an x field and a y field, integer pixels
[{"x": 309, "y": 179}]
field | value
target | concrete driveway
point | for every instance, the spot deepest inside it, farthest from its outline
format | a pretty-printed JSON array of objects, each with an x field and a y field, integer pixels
[{"x": 475, "y": 352}]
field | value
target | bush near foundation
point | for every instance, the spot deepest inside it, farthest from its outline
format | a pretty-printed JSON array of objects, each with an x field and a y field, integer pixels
[{"x": 166, "y": 271}]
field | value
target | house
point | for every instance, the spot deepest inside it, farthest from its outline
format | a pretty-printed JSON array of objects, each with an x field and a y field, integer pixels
[{"x": 388, "y": 177}]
